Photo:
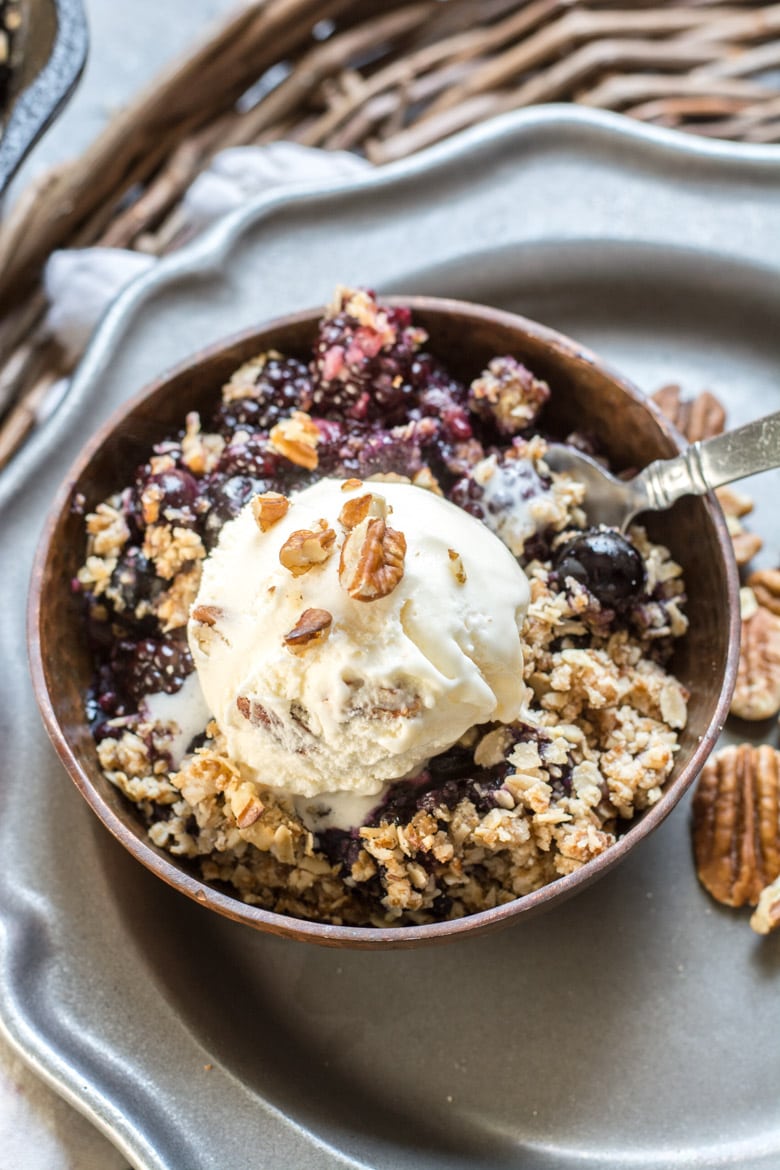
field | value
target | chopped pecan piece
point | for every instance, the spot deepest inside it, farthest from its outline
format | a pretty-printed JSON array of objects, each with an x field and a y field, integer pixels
[
  {"x": 209, "y": 615},
  {"x": 358, "y": 509},
  {"x": 456, "y": 566},
  {"x": 351, "y": 485},
  {"x": 697, "y": 418},
  {"x": 306, "y": 548},
  {"x": 757, "y": 692},
  {"x": 296, "y": 438},
  {"x": 256, "y": 713},
  {"x": 765, "y": 583},
  {"x": 766, "y": 916},
  {"x": 268, "y": 508},
  {"x": 312, "y": 627},
  {"x": 736, "y": 823},
  {"x": 372, "y": 560}
]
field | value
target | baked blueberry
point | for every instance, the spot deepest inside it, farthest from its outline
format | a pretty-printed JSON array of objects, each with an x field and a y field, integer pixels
[{"x": 606, "y": 563}]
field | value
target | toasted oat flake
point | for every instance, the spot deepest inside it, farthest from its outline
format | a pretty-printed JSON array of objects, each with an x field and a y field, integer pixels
[
  {"x": 424, "y": 478},
  {"x": 251, "y": 812},
  {"x": 171, "y": 549},
  {"x": 243, "y": 383},
  {"x": 200, "y": 452},
  {"x": 107, "y": 530},
  {"x": 173, "y": 607}
]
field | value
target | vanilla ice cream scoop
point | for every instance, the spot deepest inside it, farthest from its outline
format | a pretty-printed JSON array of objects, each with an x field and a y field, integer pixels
[{"x": 344, "y": 637}]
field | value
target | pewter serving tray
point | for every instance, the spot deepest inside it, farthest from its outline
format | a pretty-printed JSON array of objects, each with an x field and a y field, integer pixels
[{"x": 633, "y": 1027}]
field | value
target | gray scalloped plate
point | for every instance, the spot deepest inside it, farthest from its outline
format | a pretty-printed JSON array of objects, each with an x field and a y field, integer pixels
[{"x": 636, "y": 1026}]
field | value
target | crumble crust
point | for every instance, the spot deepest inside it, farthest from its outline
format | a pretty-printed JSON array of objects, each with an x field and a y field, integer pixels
[{"x": 602, "y": 745}]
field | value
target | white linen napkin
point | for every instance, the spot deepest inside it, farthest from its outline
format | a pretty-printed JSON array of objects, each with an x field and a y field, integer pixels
[
  {"x": 41, "y": 1131},
  {"x": 80, "y": 283}
]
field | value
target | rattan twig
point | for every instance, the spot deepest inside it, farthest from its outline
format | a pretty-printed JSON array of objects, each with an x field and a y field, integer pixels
[{"x": 384, "y": 80}]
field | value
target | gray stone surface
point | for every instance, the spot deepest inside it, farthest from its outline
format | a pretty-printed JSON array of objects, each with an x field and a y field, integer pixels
[{"x": 600, "y": 251}]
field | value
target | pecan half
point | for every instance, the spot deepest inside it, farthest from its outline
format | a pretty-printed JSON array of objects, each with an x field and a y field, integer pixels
[
  {"x": 767, "y": 914},
  {"x": 765, "y": 583},
  {"x": 733, "y": 502},
  {"x": 746, "y": 545},
  {"x": 736, "y": 823},
  {"x": 312, "y": 628},
  {"x": 757, "y": 692},
  {"x": 358, "y": 509},
  {"x": 268, "y": 508},
  {"x": 735, "y": 505},
  {"x": 697, "y": 418},
  {"x": 372, "y": 560},
  {"x": 296, "y": 438},
  {"x": 306, "y": 548}
]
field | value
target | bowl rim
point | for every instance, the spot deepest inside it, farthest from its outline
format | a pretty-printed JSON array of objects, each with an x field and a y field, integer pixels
[{"x": 370, "y": 937}]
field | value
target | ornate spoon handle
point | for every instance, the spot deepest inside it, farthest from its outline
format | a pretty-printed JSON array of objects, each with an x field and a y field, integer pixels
[{"x": 711, "y": 463}]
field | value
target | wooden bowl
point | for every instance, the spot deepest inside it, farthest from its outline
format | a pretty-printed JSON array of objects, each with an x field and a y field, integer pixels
[{"x": 586, "y": 395}]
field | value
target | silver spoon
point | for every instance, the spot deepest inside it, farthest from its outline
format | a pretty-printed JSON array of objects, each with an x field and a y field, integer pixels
[{"x": 702, "y": 467}]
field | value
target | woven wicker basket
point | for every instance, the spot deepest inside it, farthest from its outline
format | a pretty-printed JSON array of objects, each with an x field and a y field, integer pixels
[{"x": 383, "y": 80}]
